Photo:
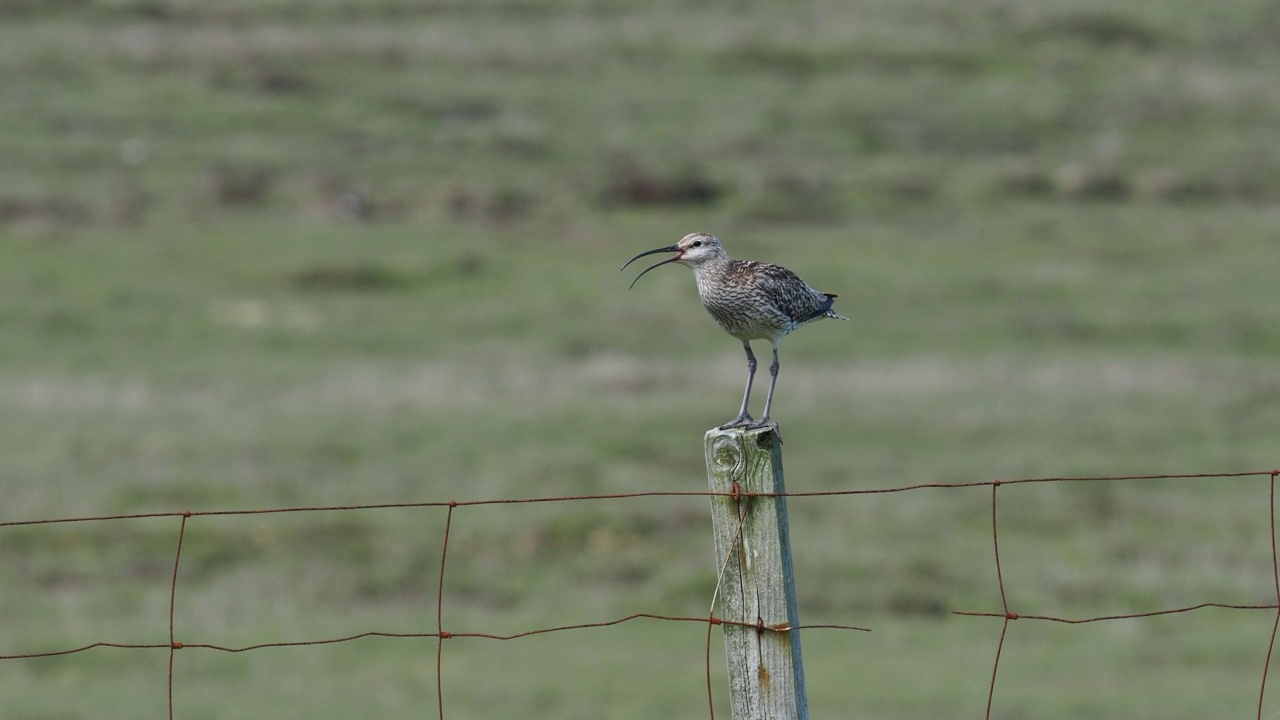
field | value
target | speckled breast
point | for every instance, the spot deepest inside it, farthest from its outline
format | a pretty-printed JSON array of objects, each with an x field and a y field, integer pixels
[{"x": 745, "y": 319}]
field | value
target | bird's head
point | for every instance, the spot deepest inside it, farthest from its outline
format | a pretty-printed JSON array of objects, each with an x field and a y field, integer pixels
[{"x": 693, "y": 250}]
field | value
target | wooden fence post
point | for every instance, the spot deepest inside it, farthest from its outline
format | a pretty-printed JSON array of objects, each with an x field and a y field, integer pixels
[{"x": 766, "y": 675}]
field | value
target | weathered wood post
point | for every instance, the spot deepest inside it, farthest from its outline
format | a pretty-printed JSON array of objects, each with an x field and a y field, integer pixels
[{"x": 753, "y": 547}]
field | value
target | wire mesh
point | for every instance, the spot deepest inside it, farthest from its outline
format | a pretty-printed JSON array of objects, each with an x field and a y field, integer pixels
[{"x": 1007, "y": 614}]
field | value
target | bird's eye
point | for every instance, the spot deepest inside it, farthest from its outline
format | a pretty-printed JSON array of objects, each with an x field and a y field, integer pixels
[{"x": 697, "y": 243}]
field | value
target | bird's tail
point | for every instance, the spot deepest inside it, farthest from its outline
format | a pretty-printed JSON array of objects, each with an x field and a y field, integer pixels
[{"x": 831, "y": 297}]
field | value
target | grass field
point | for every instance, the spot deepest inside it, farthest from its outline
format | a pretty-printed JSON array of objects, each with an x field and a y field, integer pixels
[{"x": 279, "y": 253}]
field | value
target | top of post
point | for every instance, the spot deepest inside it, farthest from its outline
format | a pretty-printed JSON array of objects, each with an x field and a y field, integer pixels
[
  {"x": 736, "y": 451},
  {"x": 764, "y": 437}
]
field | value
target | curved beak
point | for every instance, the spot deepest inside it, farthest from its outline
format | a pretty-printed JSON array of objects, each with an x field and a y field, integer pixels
[{"x": 669, "y": 248}]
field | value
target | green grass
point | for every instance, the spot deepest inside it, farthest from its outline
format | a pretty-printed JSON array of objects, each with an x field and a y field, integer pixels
[{"x": 260, "y": 254}]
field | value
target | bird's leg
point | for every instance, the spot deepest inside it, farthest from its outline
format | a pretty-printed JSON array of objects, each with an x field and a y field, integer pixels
[
  {"x": 743, "y": 418},
  {"x": 764, "y": 420}
]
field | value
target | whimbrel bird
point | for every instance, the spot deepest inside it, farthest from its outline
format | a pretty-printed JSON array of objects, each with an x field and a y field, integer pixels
[{"x": 751, "y": 301}]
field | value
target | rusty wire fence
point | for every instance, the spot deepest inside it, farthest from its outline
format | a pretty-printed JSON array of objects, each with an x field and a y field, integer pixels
[{"x": 178, "y": 644}]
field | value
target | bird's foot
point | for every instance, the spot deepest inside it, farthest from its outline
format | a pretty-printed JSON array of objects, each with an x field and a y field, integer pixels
[
  {"x": 740, "y": 421},
  {"x": 765, "y": 422}
]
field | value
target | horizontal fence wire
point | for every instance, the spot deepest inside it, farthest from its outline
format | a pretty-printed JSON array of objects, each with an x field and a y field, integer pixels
[{"x": 1005, "y": 614}]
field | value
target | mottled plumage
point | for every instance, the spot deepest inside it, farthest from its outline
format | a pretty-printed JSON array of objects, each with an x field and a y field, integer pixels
[
  {"x": 758, "y": 301},
  {"x": 750, "y": 300}
]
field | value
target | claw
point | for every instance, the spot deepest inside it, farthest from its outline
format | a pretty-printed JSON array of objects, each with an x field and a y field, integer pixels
[
  {"x": 740, "y": 421},
  {"x": 765, "y": 422}
]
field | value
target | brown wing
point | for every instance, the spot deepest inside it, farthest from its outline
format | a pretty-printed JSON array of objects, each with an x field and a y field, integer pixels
[{"x": 791, "y": 294}]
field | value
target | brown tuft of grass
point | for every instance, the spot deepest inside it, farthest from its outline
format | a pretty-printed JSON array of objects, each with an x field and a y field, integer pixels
[
  {"x": 631, "y": 184},
  {"x": 51, "y": 208},
  {"x": 793, "y": 196},
  {"x": 332, "y": 194},
  {"x": 497, "y": 205},
  {"x": 1078, "y": 181},
  {"x": 1104, "y": 29},
  {"x": 234, "y": 184},
  {"x": 358, "y": 276}
]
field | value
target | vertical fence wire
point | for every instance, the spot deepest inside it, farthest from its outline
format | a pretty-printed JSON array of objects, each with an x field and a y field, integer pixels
[
  {"x": 440, "y": 633},
  {"x": 1004, "y": 600},
  {"x": 1275, "y": 574},
  {"x": 174, "y": 645}
]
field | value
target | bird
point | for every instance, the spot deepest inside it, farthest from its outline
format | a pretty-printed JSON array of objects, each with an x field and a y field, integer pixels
[{"x": 751, "y": 301}]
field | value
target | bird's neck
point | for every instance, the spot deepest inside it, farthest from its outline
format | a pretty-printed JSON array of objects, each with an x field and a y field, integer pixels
[{"x": 710, "y": 272}]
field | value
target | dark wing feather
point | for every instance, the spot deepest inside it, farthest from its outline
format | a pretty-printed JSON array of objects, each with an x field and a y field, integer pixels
[{"x": 791, "y": 294}]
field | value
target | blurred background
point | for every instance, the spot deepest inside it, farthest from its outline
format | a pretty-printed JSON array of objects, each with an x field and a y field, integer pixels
[{"x": 310, "y": 252}]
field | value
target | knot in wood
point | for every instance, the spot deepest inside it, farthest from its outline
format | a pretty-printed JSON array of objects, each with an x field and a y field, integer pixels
[{"x": 726, "y": 454}]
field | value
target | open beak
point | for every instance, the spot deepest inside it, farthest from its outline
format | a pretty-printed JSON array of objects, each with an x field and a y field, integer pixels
[{"x": 669, "y": 248}]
